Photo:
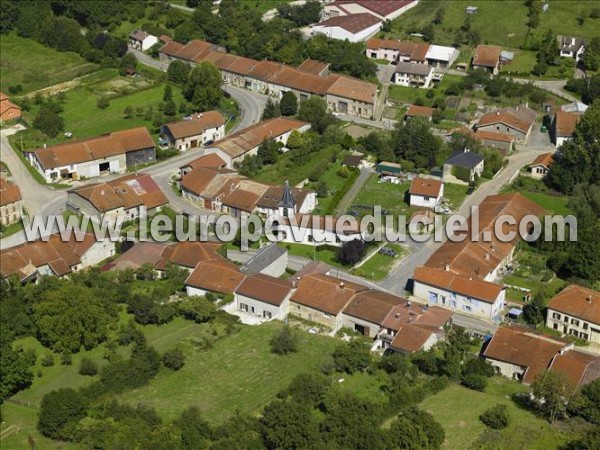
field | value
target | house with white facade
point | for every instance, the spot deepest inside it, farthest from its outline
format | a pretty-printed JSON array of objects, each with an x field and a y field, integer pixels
[
  {"x": 194, "y": 131},
  {"x": 466, "y": 160},
  {"x": 354, "y": 28},
  {"x": 441, "y": 57},
  {"x": 286, "y": 201},
  {"x": 540, "y": 167},
  {"x": 426, "y": 192},
  {"x": 487, "y": 57},
  {"x": 141, "y": 40},
  {"x": 263, "y": 296},
  {"x": 462, "y": 275},
  {"x": 563, "y": 126},
  {"x": 315, "y": 230},
  {"x": 571, "y": 47},
  {"x": 53, "y": 256},
  {"x": 87, "y": 158},
  {"x": 575, "y": 311},
  {"x": 413, "y": 75}
]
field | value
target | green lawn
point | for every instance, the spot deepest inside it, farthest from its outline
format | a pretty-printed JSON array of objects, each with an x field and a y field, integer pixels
[
  {"x": 455, "y": 193},
  {"x": 500, "y": 22},
  {"x": 389, "y": 196},
  {"x": 323, "y": 253},
  {"x": 35, "y": 66},
  {"x": 458, "y": 409},
  {"x": 538, "y": 192},
  {"x": 378, "y": 266},
  {"x": 523, "y": 62},
  {"x": 263, "y": 6},
  {"x": 238, "y": 373},
  {"x": 286, "y": 169}
]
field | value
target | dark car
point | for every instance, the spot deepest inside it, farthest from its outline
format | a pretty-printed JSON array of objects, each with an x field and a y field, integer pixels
[
  {"x": 387, "y": 252},
  {"x": 470, "y": 190},
  {"x": 209, "y": 142}
]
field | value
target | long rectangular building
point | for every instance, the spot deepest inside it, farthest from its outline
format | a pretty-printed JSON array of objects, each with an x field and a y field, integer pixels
[{"x": 343, "y": 94}]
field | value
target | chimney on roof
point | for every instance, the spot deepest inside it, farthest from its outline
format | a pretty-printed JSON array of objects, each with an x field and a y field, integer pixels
[
  {"x": 408, "y": 303},
  {"x": 487, "y": 256},
  {"x": 342, "y": 284},
  {"x": 45, "y": 145},
  {"x": 397, "y": 315},
  {"x": 447, "y": 268},
  {"x": 102, "y": 192},
  {"x": 588, "y": 299},
  {"x": 497, "y": 113}
]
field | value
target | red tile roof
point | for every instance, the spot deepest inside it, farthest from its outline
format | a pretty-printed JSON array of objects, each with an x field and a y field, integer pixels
[
  {"x": 116, "y": 143},
  {"x": 578, "y": 301},
  {"x": 199, "y": 123},
  {"x": 23, "y": 259},
  {"x": 127, "y": 192},
  {"x": 313, "y": 67},
  {"x": 425, "y": 187},
  {"x": 580, "y": 368},
  {"x": 421, "y": 111},
  {"x": 216, "y": 276},
  {"x": 520, "y": 118},
  {"x": 353, "y": 89},
  {"x": 477, "y": 258},
  {"x": 237, "y": 144},
  {"x": 521, "y": 346},
  {"x": 566, "y": 122},
  {"x": 373, "y": 306},
  {"x": 212, "y": 160},
  {"x": 487, "y": 55},
  {"x": 381, "y": 7},
  {"x": 324, "y": 293},
  {"x": 474, "y": 288},
  {"x": 387, "y": 44},
  {"x": 9, "y": 192},
  {"x": 492, "y": 136},
  {"x": 545, "y": 159},
  {"x": 265, "y": 289}
]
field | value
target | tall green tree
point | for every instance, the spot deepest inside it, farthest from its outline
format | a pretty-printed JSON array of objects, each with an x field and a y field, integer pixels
[
  {"x": 59, "y": 412},
  {"x": 203, "y": 89},
  {"x": 272, "y": 110},
  {"x": 553, "y": 389},
  {"x": 414, "y": 141},
  {"x": 48, "y": 121},
  {"x": 290, "y": 424},
  {"x": 288, "y": 104}
]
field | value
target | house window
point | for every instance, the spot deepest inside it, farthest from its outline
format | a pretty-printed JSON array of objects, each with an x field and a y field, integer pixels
[
  {"x": 467, "y": 308},
  {"x": 555, "y": 326},
  {"x": 327, "y": 315},
  {"x": 585, "y": 325},
  {"x": 244, "y": 307},
  {"x": 267, "y": 314},
  {"x": 556, "y": 316},
  {"x": 426, "y": 199},
  {"x": 433, "y": 297},
  {"x": 453, "y": 304},
  {"x": 575, "y": 322}
]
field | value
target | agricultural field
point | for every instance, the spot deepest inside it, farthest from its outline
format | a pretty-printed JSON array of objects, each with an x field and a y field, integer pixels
[
  {"x": 34, "y": 66},
  {"x": 458, "y": 408},
  {"x": 500, "y": 22}
]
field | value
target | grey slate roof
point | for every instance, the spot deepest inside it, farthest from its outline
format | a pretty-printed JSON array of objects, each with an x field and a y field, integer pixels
[
  {"x": 287, "y": 201},
  {"x": 263, "y": 259},
  {"x": 464, "y": 159},
  {"x": 413, "y": 69}
]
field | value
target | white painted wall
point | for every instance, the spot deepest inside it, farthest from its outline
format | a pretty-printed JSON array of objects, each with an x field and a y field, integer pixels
[
  {"x": 342, "y": 34},
  {"x": 259, "y": 308}
]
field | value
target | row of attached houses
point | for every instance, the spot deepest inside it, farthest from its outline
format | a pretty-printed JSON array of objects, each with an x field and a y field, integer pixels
[
  {"x": 435, "y": 56},
  {"x": 523, "y": 354},
  {"x": 343, "y": 94},
  {"x": 119, "y": 198},
  {"x": 392, "y": 322},
  {"x": 54, "y": 256},
  {"x": 11, "y": 203},
  {"x": 462, "y": 275},
  {"x": 220, "y": 189},
  {"x": 87, "y": 158}
]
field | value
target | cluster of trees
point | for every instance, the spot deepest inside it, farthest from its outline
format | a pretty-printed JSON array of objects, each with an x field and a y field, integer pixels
[
  {"x": 241, "y": 31},
  {"x": 301, "y": 15},
  {"x": 588, "y": 88},
  {"x": 201, "y": 85},
  {"x": 548, "y": 54},
  {"x": 576, "y": 173},
  {"x": 288, "y": 106},
  {"x": 59, "y": 24}
]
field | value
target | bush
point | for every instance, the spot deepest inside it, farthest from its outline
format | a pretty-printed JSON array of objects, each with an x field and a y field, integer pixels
[
  {"x": 66, "y": 359},
  {"x": 284, "y": 342},
  {"x": 475, "y": 381},
  {"x": 47, "y": 360},
  {"x": 88, "y": 367},
  {"x": 352, "y": 357},
  {"x": 496, "y": 417},
  {"x": 102, "y": 103},
  {"x": 173, "y": 359}
]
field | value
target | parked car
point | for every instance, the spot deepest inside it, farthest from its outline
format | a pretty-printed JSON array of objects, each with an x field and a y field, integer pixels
[
  {"x": 470, "y": 190},
  {"x": 388, "y": 252}
]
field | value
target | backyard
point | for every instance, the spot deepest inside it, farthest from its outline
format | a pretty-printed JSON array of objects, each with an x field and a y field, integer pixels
[
  {"x": 538, "y": 192},
  {"x": 35, "y": 66}
]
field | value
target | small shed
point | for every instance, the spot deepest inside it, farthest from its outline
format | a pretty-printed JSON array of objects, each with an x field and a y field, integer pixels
[{"x": 471, "y": 9}]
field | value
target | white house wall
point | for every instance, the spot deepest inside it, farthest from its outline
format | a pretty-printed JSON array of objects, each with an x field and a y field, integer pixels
[{"x": 277, "y": 312}]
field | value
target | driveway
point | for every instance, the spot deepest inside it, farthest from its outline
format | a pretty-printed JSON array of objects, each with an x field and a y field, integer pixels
[{"x": 346, "y": 201}]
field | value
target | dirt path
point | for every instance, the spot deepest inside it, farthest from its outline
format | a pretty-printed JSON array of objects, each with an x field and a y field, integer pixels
[{"x": 64, "y": 86}]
